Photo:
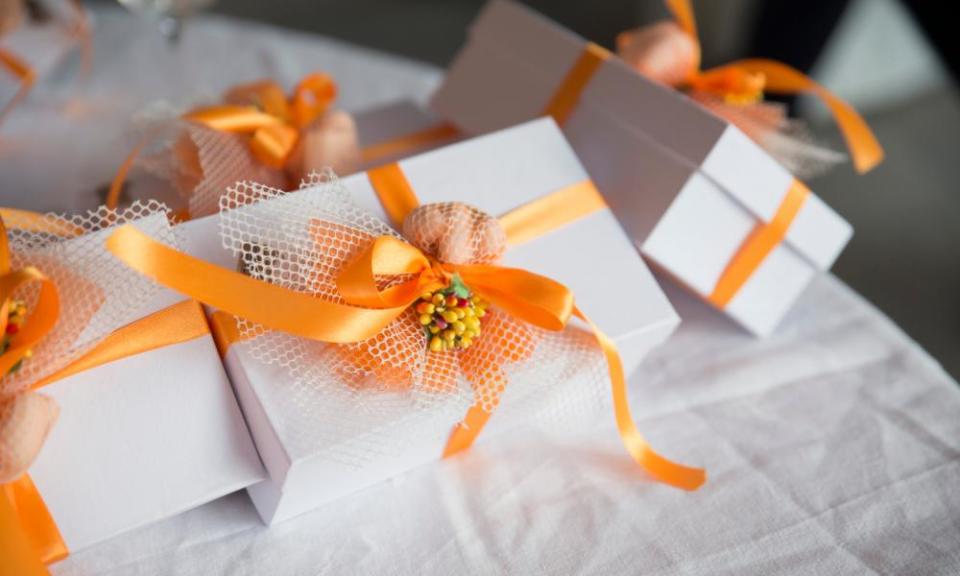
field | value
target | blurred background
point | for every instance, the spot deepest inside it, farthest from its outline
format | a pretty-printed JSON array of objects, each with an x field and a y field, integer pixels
[{"x": 892, "y": 59}]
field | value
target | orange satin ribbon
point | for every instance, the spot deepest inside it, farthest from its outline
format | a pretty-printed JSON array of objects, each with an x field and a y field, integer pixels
[
  {"x": 567, "y": 95},
  {"x": 24, "y": 74},
  {"x": 757, "y": 246},
  {"x": 29, "y": 538},
  {"x": 274, "y": 123},
  {"x": 745, "y": 81},
  {"x": 530, "y": 297},
  {"x": 23, "y": 516},
  {"x": 408, "y": 143},
  {"x": 544, "y": 303},
  {"x": 45, "y": 312}
]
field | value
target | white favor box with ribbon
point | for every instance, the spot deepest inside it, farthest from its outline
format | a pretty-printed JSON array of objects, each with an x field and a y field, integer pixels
[
  {"x": 496, "y": 173},
  {"x": 688, "y": 186},
  {"x": 143, "y": 438}
]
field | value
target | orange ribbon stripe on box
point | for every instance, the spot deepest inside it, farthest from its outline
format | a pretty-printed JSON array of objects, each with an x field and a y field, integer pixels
[
  {"x": 524, "y": 295},
  {"x": 567, "y": 95},
  {"x": 764, "y": 238},
  {"x": 408, "y": 143}
]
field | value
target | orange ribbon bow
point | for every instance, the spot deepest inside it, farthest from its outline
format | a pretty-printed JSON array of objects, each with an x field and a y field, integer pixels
[
  {"x": 261, "y": 110},
  {"x": 273, "y": 122},
  {"x": 367, "y": 309},
  {"x": 745, "y": 81}
]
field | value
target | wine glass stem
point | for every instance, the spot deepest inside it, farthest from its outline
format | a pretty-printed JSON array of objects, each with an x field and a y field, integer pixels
[{"x": 171, "y": 27}]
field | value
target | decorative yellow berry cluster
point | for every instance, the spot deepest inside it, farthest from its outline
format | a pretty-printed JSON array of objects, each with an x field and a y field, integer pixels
[
  {"x": 16, "y": 314},
  {"x": 451, "y": 317}
]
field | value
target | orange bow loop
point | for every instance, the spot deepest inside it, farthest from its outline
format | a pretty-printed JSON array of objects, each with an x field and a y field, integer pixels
[
  {"x": 45, "y": 312},
  {"x": 387, "y": 256},
  {"x": 312, "y": 97},
  {"x": 272, "y": 140},
  {"x": 273, "y": 121},
  {"x": 535, "y": 299}
]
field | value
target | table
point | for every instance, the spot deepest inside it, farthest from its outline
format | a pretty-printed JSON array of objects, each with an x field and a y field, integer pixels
[{"x": 833, "y": 447}]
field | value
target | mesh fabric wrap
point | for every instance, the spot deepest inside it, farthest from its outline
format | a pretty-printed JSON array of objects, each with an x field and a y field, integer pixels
[
  {"x": 788, "y": 140},
  {"x": 354, "y": 402},
  {"x": 201, "y": 163},
  {"x": 98, "y": 294}
]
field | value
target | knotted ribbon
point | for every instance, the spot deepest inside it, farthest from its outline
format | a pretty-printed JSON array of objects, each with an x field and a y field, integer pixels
[
  {"x": 275, "y": 125},
  {"x": 670, "y": 53}
]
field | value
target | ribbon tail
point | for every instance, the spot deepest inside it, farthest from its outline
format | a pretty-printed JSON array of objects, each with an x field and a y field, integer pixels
[
  {"x": 864, "y": 147},
  {"x": 19, "y": 556},
  {"x": 27, "y": 528},
  {"x": 662, "y": 469},
  {"x": 465, "y": 433}
]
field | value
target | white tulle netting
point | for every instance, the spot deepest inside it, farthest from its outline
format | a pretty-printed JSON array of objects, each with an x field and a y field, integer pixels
[
  {"x": 787, "y": 139},
  {"x": 98, "y": 294},
  {"x": 199, "y": 162},
  {"x": 355, "y": 402}
]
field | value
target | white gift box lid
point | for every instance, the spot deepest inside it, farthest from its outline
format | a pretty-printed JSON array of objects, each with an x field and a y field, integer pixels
[
  {"x": 143, "y": 438},
  {"x": 513, "y": 63},
  {"x": 498, "y": 172}
]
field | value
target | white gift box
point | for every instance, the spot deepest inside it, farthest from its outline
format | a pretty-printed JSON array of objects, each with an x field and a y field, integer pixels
[
  {"x": 143, "y": 438},
  {"x": 688, "y": 186},
  {"x": 497, "y": 172}
]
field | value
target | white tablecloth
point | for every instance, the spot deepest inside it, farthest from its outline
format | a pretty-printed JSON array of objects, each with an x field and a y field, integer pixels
[{"x": 832, "y": 447}]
